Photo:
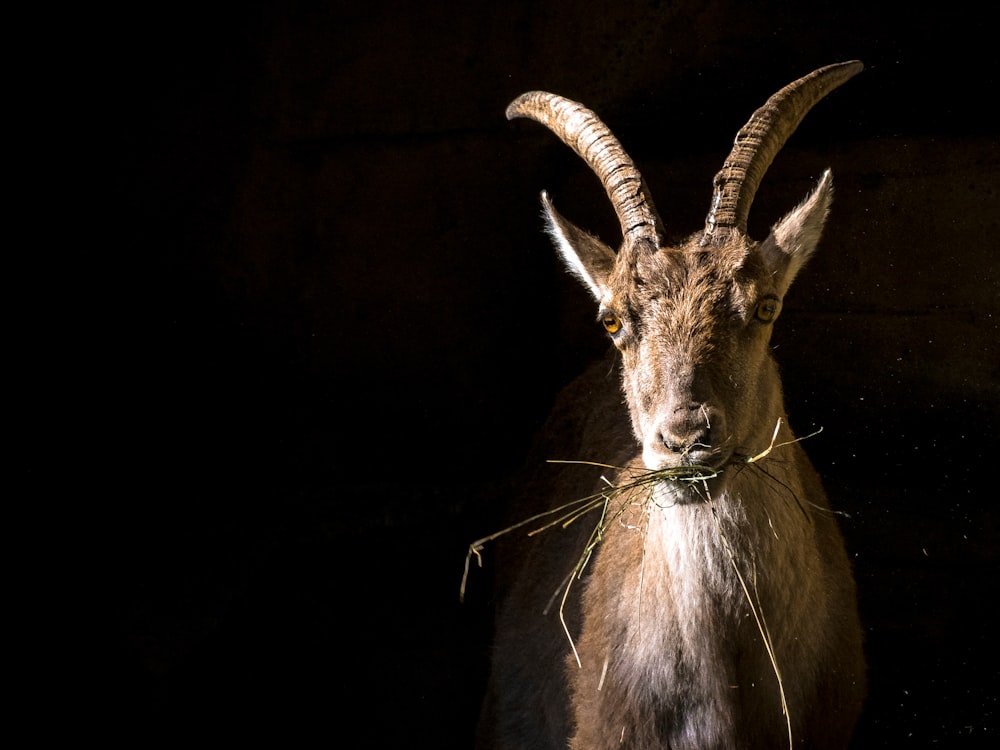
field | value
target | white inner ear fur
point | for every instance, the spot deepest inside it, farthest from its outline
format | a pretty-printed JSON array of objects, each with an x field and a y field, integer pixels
[
  {"x": 576, "y": 266},
  {"x": 586, "y": 257}
]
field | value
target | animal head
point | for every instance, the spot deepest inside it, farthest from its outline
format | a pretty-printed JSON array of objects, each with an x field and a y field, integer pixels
[{"x": 692, "y": 322}]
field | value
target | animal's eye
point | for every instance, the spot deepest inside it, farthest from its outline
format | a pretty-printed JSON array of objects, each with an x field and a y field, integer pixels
[
  {"x": 767, "y": 309},
  {"x": 611, "y": 323}
]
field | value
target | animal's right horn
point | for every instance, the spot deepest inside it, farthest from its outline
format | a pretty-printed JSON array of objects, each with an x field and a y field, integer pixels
[
  {"x": 580, "y": 129},
  {"x": 761, "y": 138}
]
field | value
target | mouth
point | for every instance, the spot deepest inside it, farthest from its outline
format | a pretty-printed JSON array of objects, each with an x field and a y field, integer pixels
[
  {"x": 656, "y": 458},
  {"x": 679, "y": 485}
]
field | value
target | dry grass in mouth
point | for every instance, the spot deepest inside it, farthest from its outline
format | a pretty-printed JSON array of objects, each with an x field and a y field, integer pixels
[
  {"x": 571, "y": 511},
  {"x": 691, "y": 476},
  {"x": 564, "y": 515}
]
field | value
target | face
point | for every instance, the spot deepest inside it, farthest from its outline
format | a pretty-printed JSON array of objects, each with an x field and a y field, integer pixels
[{"x": 693, "y": 325}]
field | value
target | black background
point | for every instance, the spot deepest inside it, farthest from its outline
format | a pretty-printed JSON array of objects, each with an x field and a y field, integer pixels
[{"x": 324, "y": 324}]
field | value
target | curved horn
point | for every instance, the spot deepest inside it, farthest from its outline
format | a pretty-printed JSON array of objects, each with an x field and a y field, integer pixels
[
  {"x": 761, "y": 138},
  {"x": 583, "y": 131}
]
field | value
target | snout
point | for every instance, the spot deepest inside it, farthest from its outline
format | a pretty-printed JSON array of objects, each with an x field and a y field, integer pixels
[{"x": 686, "y": 435}]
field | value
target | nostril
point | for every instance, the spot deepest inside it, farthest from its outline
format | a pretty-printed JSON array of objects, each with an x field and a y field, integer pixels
[{"x": 671, "y": 445}]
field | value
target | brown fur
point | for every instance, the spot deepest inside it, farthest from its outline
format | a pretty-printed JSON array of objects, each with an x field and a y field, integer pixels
[{"x": 670, "y": 617}]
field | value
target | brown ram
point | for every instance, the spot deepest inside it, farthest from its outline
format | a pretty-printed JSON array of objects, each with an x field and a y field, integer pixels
[{"x": 718, "y": 609}]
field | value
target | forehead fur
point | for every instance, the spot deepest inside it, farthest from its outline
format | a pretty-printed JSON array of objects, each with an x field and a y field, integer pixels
[{"x": 691, "y": 282}]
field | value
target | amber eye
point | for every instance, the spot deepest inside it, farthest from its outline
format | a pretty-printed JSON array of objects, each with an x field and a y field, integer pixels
[
  {"x": 611, "y": 323},
  {"x": 767, "y": 309}
]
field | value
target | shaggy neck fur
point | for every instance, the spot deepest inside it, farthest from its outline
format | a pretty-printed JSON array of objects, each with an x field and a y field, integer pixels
[{"x": 677, "y": 583}]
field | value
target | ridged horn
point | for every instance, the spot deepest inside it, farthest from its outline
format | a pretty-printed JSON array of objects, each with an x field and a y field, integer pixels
[
  {"x": 580, "y": 129},
  {"x": 759, "y": 141}
]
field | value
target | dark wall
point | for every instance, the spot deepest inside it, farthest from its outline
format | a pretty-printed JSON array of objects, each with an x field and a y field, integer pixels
[{"x": 334, "y": 324}]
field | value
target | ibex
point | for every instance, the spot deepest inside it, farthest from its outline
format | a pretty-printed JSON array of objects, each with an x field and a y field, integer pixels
[{"x": 718, "y": 606}]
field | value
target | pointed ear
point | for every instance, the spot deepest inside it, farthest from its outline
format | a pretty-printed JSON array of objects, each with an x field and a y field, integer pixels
[
  {"x": 586, "y": 257},
  {"x": 793, "y": 240}
]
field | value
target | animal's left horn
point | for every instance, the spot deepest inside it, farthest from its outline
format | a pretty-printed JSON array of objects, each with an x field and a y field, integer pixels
[
  {"x": 580, "y": 129},
  {"x": 761, "y": 138}
]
